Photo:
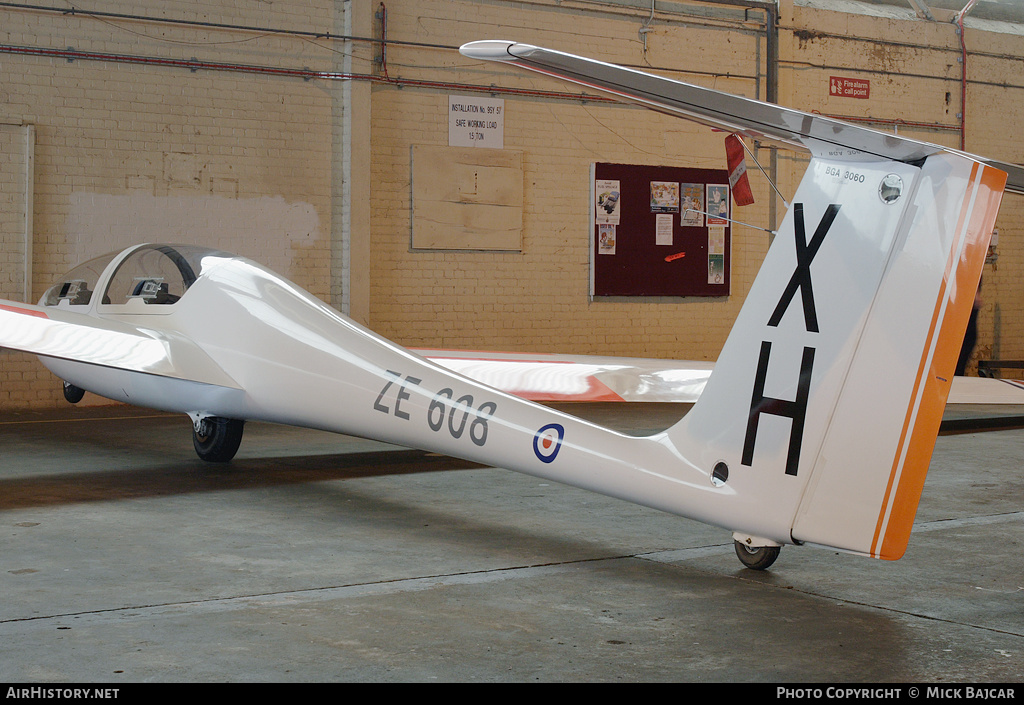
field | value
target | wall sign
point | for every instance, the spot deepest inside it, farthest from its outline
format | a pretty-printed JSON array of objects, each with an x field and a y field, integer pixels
[
  {"x": 476, "y": 121},
  {"x": 849, "y": 87}
]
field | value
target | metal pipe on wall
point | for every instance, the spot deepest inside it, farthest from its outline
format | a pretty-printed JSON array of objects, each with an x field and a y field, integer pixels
[
  {"x": 963, "y": 72},
  {"x": 28, "y": 178},
  {"x": 30, "y": 159}
]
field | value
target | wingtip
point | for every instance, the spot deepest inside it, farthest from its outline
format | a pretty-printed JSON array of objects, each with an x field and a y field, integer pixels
[
  {"x": 490, "y": 49},
  {"x": 496, "y": 50}
]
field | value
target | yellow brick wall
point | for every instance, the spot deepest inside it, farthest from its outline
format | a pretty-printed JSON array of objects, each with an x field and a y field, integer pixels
[
  {"x": 539, "y": 299},
  {"x": 256, "y": 162},
  {"x": 131, "y": 152}
]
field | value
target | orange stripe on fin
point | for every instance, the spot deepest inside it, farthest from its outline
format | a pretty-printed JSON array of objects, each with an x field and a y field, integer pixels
[{"x": 938, "y": 362}]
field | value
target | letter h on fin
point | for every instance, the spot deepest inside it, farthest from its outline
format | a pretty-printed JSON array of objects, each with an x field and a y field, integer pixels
[{"x": 795, "y": 410}]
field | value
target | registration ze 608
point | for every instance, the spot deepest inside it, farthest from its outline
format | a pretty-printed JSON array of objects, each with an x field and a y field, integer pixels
[{"x": 458, "y": 417}]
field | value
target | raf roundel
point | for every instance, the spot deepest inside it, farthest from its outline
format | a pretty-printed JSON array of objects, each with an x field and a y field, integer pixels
[{"x": 547, "y": 442}]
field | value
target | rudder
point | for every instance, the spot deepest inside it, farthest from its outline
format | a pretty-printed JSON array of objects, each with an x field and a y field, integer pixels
[{"x": 865, "y": 489}]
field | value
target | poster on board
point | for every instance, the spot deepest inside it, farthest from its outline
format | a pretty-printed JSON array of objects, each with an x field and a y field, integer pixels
[
  {"x": 716, "y": 254},
  {"x": 605, "y": 239},
  {"x": 718, "y": 204},
  {"x": 692, "y": 197},
  {"x": 606, "y": 195},
  {"x": 663, "y": 234},
  {"x": 664, "y": 197}
]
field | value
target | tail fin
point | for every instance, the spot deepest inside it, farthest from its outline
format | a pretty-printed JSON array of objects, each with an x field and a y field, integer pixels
[
  {"x": 819, "y": 420},
  {"x": 826, "y": 401}
]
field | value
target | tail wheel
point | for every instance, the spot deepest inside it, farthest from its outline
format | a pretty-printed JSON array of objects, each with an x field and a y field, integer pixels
[
  {"x": 756, "y": 557},
  {"x": 217, "y": 439},
  {"x": 72, "y": 393}
]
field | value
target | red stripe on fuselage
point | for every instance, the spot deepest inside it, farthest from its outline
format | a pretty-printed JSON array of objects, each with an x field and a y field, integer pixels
[{"x": 25, "y": 311}]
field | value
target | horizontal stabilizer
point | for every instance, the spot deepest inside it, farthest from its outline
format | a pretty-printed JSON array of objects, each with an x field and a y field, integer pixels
[{"x": 757, "y": 120}]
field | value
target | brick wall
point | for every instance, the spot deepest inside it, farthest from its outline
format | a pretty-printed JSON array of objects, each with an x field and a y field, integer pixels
[
  {"x": 131, "y": 148},
  {"x": 539, "y": 299}
]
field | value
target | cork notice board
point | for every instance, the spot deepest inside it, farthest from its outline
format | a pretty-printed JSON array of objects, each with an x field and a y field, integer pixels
[{"x": 660, "y": 231}]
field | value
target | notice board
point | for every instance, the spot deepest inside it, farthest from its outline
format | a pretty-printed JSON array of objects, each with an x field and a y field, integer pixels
[{"x": 660, "y": 231}]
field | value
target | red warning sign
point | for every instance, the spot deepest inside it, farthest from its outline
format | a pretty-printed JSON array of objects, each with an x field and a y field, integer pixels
[{"x": 849, "y": 87}]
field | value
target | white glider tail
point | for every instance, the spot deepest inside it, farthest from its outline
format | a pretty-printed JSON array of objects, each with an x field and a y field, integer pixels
[
  {"x": 822, "y": 411},
  {"x": 826, "y": 401}
]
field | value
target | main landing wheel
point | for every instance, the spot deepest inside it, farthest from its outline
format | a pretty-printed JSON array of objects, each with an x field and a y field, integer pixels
[
  {"x": 217, "y": 439},
  {"x": 756, "y": 557}
]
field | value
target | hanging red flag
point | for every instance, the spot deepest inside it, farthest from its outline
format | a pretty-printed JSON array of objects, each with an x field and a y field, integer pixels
[{"x": 738, "y": 183}]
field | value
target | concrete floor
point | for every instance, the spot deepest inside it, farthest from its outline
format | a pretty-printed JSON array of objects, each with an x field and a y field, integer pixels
[{"x": 315, "y": 557}]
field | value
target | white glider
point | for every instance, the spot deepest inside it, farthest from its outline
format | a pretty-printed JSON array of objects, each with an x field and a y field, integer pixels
[{"x": 815, "y": 426}]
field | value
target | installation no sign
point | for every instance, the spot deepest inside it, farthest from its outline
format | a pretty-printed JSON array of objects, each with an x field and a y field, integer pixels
[{"x": 475, "y": 121}]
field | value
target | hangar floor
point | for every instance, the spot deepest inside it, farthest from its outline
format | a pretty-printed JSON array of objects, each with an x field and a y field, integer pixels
[{"x": 315, "y": 557}]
